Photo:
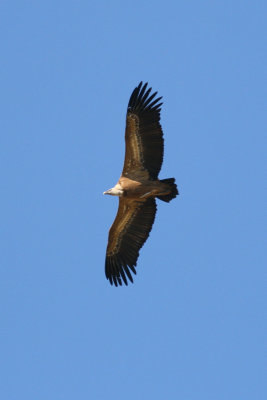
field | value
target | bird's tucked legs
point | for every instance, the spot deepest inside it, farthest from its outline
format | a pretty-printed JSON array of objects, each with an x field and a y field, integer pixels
[
  {"x": 146, "y": 195},
  {"x": 153, "y": 193}
]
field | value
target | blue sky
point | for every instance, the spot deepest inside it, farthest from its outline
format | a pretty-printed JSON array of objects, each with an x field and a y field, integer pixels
[{"x": 192, "y": 325}]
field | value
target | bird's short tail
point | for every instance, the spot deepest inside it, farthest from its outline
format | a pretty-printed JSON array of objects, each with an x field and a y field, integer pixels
[{"x": 173, "y": 187}]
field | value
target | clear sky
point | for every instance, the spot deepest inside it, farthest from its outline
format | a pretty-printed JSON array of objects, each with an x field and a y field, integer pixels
[{"x": 191, "y": 327}]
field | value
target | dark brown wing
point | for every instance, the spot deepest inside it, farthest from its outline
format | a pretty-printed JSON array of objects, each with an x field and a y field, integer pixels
[
  {"x": 143, "y": 135},
  {"x": 127, "y": 235}
]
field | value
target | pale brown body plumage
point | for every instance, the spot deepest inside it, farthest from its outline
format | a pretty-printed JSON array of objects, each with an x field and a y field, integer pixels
[
  {"x": 138, "y": 186},
  {"x": 142, "y": 189}
]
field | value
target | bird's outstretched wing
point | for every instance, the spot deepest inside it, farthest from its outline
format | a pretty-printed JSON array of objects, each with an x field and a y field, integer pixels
[
  {"x": 127, "y": 235},
  {"x": 143, "y": 134}
]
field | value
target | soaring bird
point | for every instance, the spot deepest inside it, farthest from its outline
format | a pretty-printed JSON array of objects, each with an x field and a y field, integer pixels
[{"x": 138, "y": 186}]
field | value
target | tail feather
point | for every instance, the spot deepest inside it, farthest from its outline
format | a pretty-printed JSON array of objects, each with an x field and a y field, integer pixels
[{"x": 173, "y": 187}]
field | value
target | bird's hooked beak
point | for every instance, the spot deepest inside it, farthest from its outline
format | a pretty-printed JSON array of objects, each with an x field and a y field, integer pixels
[{"x": 107, "y": 191}]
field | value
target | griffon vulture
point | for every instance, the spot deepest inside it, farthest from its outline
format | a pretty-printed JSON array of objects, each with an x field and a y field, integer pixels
[{"x": 138, "y": 186}]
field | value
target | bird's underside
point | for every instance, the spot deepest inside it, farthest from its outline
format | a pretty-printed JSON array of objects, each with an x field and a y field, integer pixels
[
  {"x": 138, "y": 186},
  {"x": 142, "y": 189}
]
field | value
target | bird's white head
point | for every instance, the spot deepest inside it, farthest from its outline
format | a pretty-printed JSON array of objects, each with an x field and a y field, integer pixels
[{"x": 115, "y": 191}]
